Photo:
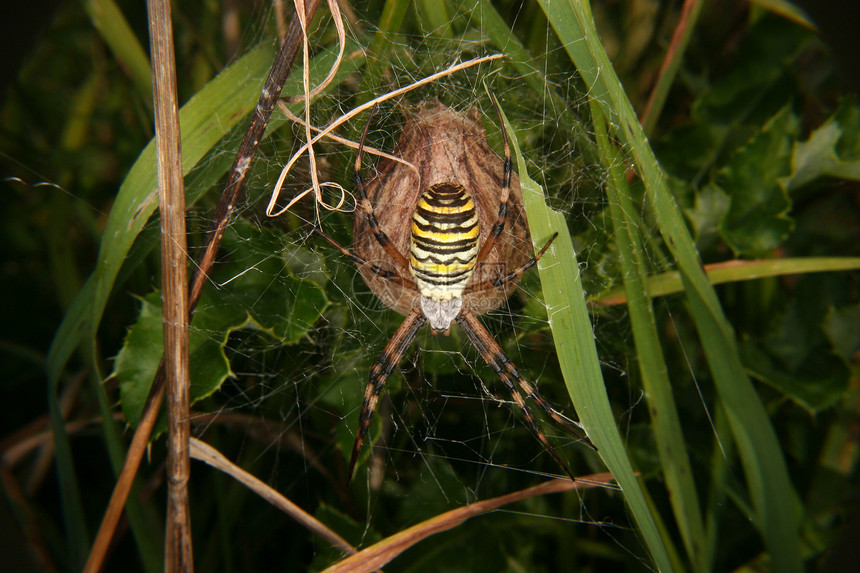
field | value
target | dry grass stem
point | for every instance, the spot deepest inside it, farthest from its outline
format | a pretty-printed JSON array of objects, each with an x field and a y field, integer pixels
[
  {"x": 207, "y": 454},
  {"x": 229, "y": 198},
  {"x": 178, "y": 552},
  {"x": 381, "y": 553},
  {"x": 271, "y": 209}
]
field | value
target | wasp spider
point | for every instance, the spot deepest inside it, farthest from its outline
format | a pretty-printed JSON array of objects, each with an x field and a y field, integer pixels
[{"x": 444, "y": 248}]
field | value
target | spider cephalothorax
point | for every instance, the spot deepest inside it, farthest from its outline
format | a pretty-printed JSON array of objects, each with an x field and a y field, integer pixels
[{"x": 444, "y": 245}]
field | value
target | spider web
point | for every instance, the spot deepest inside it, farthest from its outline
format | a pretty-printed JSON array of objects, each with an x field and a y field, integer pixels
[
  {"x": 303, "y": 330},
  {"x": 287, "y": 331}
]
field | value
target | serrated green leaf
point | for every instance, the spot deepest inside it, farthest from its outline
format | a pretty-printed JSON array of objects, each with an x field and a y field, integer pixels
[
  {"x": 840, "y": 328},
  {"x": 264, "y": 276},
  {"x": 711, "y": 205},
  {"x": 259, "y": 292},
  {"x": 757, "y": 218},
  {"x": 760, "y": 65},
  {"x": 139, "y": 357},
  {"x": 819, "y": 384},
  {"x": 138, "y": 360},
  {"x": 832, "y": 150}
]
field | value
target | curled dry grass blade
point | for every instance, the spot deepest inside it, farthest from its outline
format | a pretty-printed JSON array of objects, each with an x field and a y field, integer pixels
[
  {"x": 381, "y": 553},
  {"x": 207, "y": 454}
]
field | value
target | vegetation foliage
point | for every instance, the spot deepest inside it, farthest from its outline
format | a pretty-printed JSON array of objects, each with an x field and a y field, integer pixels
[{"x": 724, "y": 399}]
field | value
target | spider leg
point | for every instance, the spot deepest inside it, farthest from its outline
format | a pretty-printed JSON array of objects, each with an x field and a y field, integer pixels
[
  {"x": 367, "y": 208},
  {"x": 499, "y": 225},
  {"x": 526, "y": 387},
  {"x": 495, "y": 357},
  {"x": 383, "y": 367},
  {"x": 375, "y": 269},
  {"x": 511, "y": 276}
]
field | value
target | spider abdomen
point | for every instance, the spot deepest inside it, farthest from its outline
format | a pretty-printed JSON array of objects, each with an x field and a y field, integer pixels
[
  {"x": 450, "y": 148},
  {"x": 443, "y": 250},
  {"x": 444, "y": 241}
]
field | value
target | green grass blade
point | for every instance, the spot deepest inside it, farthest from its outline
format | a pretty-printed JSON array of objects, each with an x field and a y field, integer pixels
[
  {"x": 494, "y": 26},
  {"x": 667, "y": 76},
  {"x": 74, "y": 520},
  {"x": 574, "y": 342},
  {"x": 210, "y": 115},
  {"x": 109, "y": 20},
  {"x": 773, "y": 496},
  {"x": 434, "y": 18},
  {"x": 390, "y": 22},
  {"x": 736, "y": 271},
  {"x": 776, "y": 505},
  {"x": 666, "y": 424}
]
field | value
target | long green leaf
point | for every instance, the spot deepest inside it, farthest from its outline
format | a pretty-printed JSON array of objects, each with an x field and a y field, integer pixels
[
  {"x": 494, "y": 26},
  {"x": 736, "y": 271},
  {"x": 390, "y": 22},
  {"x": 109, "y": 20},
  {"x": 577, "y": 354},
  {"x": 773, "y": 496},
  {"x": 210, "y": 115},
  {"x": 668, "y": 435}
]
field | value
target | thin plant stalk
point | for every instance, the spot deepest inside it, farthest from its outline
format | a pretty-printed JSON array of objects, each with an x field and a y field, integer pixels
[
  {"x": 671, "y": 63},
  {"x": 178, "y": 553},
  {"x": 235, "y": 184}
]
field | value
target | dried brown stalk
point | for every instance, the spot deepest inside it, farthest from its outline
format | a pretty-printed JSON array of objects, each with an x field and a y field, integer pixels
[
  {"x": 229, "y": 198},
  {"x": 207, "y": 454},
  {"x": 178, "y": 553},
  {"x": 381, "y": 553}
]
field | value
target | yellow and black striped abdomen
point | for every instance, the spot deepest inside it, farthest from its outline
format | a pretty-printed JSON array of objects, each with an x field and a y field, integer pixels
[{"x": 444, "y": 242}]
